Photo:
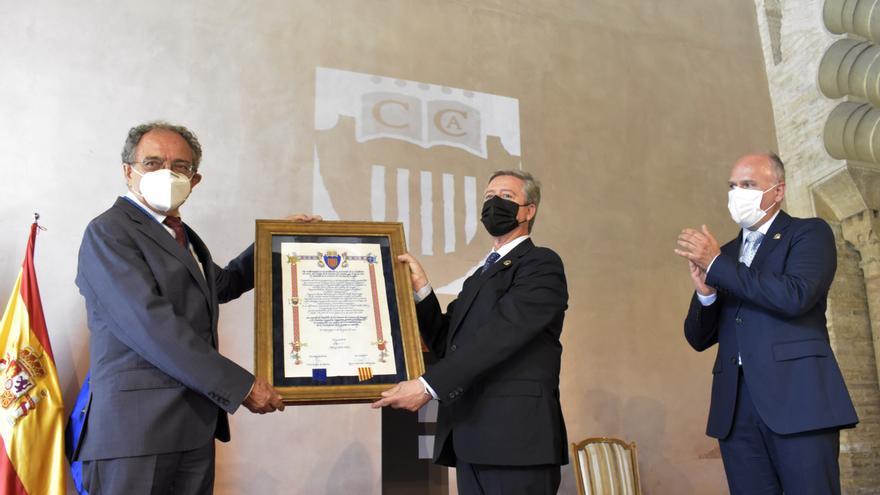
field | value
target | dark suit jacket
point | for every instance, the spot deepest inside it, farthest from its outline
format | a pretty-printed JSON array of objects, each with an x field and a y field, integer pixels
[
  {"x": 498, "y": 373},
  {"x": 773, "y": 314},
  {"x": 158, "y": 383}
]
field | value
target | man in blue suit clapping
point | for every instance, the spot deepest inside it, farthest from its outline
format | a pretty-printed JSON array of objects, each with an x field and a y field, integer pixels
[{"x": 778, "y": 397}]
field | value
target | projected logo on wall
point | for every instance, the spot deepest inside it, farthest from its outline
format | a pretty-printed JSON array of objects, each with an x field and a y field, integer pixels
[{"x": 418, "y": 153}]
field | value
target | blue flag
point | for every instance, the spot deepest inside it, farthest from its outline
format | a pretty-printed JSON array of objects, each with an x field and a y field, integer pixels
[{"x": 73, "y": 433}]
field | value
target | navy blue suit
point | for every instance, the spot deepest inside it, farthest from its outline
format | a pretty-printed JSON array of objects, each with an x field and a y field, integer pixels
[{"x": 772, "y": 313}]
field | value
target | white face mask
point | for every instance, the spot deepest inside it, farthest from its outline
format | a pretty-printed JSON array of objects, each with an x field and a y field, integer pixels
[
  {"x": 163, "y": 189},
  {"x": 745, "y": 205}
]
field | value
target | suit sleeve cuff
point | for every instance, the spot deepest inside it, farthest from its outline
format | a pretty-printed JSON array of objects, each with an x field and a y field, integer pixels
[
  {"x": 250, "y": 390},
  {"x": 422, "y": 293},
  {"x": 712, "y": 262},
  {"x": 707, "y": 300}
]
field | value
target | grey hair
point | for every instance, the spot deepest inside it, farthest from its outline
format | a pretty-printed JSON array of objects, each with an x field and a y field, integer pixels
[
  {"x": 778, "y": 166},
  {"x": 531, "y": 188},
  {"x": 136, "y": 133}
]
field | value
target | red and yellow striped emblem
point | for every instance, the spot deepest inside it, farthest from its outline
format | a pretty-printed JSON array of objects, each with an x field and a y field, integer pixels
[{"x": 365, "y": 374}]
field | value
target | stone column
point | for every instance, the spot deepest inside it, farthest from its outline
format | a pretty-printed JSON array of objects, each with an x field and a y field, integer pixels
[
  {"x": 848, "y": 195},
  {"x": 863, "y": 231},
  {"x": 851, "y": 338}
]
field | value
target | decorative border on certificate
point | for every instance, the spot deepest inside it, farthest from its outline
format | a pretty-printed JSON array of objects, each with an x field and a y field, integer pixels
[{"x": 335, "y": 320}]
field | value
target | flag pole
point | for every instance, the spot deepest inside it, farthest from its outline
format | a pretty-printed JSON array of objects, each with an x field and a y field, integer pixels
[{"x": 37, "y": 221}]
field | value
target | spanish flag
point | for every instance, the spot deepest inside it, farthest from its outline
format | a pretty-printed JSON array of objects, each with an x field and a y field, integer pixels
[{"x": 31, "y": 409}]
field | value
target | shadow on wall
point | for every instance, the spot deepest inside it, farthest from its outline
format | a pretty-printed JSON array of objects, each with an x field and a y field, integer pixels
[
  {"x": 75, "y": 352},
  {"x": 350, "y": 474},
  {"x": 252, "y": 476},
  {"x": 643, "y": 420}
]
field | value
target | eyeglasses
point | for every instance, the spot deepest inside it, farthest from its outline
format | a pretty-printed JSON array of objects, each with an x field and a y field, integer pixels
[{"x": 181, "y": 167}]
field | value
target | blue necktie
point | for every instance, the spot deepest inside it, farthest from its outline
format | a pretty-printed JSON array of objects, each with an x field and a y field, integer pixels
[
  {"x": 492, "y": 258},
  {"x": 750, "y": 247},
  {"x": 751, "y": 243}
]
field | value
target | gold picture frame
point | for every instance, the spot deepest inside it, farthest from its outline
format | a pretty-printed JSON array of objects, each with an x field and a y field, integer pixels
[{"x": 329, "y": 285}]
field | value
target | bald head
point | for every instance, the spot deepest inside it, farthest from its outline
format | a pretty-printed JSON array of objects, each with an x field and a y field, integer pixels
[{"x": 765, "y": 163}]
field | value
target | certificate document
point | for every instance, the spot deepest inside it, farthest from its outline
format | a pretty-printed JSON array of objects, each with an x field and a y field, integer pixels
[
  {"x": 334, "y": 314},
  {"x": 335, "y": 310}
]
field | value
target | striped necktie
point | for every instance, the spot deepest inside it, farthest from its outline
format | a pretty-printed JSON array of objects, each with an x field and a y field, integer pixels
[{"x": 750, "y": 247}]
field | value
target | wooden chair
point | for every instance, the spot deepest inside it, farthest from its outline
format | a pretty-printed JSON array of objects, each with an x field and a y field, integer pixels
[{"x": 606, "y": 466}]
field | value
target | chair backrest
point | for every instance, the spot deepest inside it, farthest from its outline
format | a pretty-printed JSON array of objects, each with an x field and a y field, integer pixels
[{"x": 606, "y": 466}]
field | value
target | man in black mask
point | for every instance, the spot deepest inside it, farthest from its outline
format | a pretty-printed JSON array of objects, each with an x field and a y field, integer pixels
[{"x": 500, "y": 423}]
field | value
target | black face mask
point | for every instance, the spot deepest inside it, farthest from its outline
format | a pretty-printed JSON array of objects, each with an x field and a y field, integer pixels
[{"x": 499, "y": 215}]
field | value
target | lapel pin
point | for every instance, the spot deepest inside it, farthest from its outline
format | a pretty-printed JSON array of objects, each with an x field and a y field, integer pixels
[
  {"x": 507, "y": 262},
  {"x": 777, "y": 236}
]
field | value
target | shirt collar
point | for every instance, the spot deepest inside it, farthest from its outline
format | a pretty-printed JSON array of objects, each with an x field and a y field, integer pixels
[
  {"x": 763, "y": 229},
  {"x": 133, "y": 197},
  {"x": 507, "y": 248}
]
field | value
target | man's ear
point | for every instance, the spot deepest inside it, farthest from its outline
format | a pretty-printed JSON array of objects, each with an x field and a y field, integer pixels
[
  {"x": 533, "y": 209},
  {"x": 195, "y": 180},
  {"x": 780, "y": 192}
]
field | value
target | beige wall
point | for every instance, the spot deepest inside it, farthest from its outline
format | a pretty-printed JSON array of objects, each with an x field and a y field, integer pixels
[{"x": 630, "y": 113}]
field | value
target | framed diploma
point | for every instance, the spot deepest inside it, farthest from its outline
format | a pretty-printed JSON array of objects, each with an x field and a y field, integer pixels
[{"x": 335, "y": 319}]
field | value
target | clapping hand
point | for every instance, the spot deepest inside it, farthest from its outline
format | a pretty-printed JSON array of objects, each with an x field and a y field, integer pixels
[{"x": 700, "y": 248}]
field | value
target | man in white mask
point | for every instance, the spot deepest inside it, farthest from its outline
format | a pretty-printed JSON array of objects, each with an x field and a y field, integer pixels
[
  {"x": 160, "y": 390},
  {"x": 778, "y": 396}
]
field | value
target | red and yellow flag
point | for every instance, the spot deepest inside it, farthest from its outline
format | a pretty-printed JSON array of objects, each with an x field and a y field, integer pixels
[{"x": 31, "y": 408}]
